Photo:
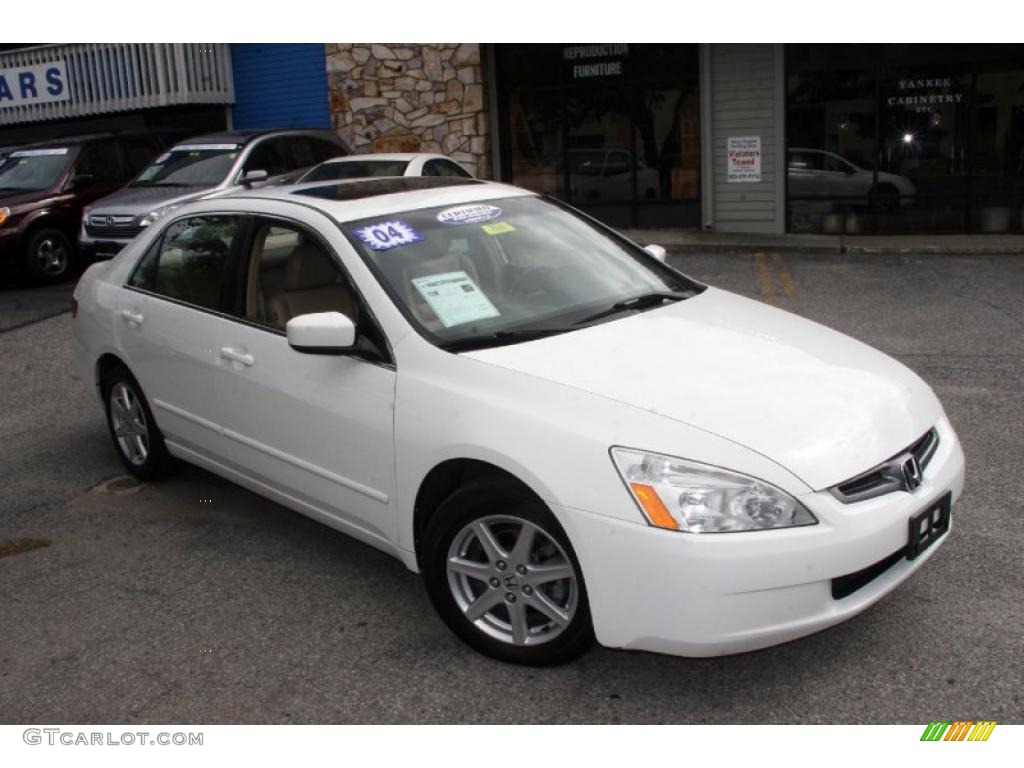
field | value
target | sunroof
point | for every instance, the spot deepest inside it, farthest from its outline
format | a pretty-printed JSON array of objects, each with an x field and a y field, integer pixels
[{"x": 356, "y": 190}]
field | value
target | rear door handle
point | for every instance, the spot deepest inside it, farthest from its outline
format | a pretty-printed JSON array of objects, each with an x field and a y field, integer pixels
[
  {"x": 239, "y": 357},
  {"x": 132, "y": 317}
]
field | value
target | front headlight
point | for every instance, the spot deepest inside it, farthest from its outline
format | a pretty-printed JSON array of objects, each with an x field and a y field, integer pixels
[
  {"x": 152, "y": 216},
  {"x": 5, "y": 214},
  {"x": 687, "y": 496}
]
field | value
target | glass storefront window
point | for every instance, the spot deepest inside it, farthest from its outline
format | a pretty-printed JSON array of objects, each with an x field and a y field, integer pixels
[
  {"x": 904, "y": 138},
  {"x": 611, "y": 128}
]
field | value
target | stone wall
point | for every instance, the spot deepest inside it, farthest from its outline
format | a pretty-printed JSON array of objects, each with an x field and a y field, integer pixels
[{"x": 410, "y": 97}]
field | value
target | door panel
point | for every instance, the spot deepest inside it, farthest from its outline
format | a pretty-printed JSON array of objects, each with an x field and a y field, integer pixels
[
  {"x": 317, "y": 427},
  {"x": 167, "y": 320}
]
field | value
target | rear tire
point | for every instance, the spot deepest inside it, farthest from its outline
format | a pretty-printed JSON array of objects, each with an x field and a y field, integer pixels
[
  {"x": 50, "y": 256},
  {"x": 515, "y": 599},
  {"x": 137, "y": 439}
]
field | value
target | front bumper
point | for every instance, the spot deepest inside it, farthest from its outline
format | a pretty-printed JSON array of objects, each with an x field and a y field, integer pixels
[
  {"x": 715, "y": 594},
  {"x": 10, "y": 241},
  {"x": 95, "y": 248}
]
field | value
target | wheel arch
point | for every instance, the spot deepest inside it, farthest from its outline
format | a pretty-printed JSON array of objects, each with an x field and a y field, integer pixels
[
  {"x": 449, "y": 475},
  {"x": 105, "y": 363}
]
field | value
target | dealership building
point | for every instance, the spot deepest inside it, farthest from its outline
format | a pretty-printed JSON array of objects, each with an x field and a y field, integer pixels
[{"x": 765, "y": 138}]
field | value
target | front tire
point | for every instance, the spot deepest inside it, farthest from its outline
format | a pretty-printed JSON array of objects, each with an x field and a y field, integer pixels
[
  {"x": 49, "y": 256},
  {"x": 137, "y": 439},
  {"x": 504, "y": 577}
]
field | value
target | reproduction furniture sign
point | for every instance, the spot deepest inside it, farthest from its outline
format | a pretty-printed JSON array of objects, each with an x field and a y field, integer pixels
[{"x": 744, "y": 158}]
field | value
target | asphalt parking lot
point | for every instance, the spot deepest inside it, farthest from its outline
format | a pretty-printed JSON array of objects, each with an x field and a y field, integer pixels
[{"x": 152, "y": 605}]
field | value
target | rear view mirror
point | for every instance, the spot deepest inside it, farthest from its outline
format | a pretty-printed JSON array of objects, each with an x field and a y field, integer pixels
[
  {"x": 251, "y": 177},
  {"x": 322, "y": 333},
  {"x": 657, "y": 252}
]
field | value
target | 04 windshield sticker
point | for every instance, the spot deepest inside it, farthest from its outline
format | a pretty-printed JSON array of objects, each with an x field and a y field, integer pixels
[
  {"x": 387, "y": 235},
  {"x": 469, "y": 214},
  {"x": 455, "y": 298}
]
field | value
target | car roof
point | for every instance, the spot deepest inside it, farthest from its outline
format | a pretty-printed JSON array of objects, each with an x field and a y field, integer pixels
[
  {"x": 406, "y": 156},
  {"x": 355, "y": 199},
  {"x": 244, "y": 137}
]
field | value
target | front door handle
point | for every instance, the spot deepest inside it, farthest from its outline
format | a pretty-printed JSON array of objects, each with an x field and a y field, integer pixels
[
  {"x": 132, "y": 317},
  {"x": 239, "y": 357}
]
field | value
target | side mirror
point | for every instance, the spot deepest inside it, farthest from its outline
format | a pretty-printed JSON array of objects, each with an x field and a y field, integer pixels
[
  {"x": 322, "y": 333},
  {"x": 657, "y": 252},
  {"x": 81, "y": 180},
  {"x": 252, "y": 177}
]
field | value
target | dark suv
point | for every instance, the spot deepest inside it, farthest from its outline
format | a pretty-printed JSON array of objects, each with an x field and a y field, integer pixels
[
  {"x": 203, "y": 167},
  {"x": 45, "y": 186}
]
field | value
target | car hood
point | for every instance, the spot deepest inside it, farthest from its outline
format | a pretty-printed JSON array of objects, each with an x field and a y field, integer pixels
[
  {"x": 24, "y": 197},
  {"x": 824, "y": 406},
  {"x": 141, "y": 200}
]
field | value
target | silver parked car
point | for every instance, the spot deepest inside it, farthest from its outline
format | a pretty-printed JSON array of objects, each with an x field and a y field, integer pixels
[{"x": 202, "y": 167}]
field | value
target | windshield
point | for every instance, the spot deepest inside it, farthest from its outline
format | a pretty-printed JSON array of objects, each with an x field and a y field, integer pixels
[
  {"x": 507, "y": 267},
  {"x": 356, "y": 169},
  {"x": 194, "y": 165},
  {"x": 32, "y": 169}
]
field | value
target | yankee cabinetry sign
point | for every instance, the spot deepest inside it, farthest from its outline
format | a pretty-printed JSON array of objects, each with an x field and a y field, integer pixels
[{"x": 33, "y": 84}]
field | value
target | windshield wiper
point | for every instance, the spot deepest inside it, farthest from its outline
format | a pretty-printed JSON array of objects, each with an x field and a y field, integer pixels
[
  {"x": 501, "y": 338},
  {"x": 643, "y": 301}
]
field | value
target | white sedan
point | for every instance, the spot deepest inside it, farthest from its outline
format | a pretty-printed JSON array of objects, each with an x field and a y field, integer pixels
[
  {"x": 567, "y": 437},
  {"x": 384, "y": 164}
]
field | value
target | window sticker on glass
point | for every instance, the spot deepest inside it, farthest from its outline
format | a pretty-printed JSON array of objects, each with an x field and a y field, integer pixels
[
  {"x": 455, "y": 298},
  {"x": 39, "y": 152},
  {"x": 469, "y": 214},
  {"x": 203, "y": 147},
  {"x": 497, "y": 228},
  {"x": 387, "y": 235}
]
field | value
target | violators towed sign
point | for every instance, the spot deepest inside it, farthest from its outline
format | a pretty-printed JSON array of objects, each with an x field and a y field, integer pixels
[
  {"x": 744, "y": 158},
  {"x": 33, "y": 84}
]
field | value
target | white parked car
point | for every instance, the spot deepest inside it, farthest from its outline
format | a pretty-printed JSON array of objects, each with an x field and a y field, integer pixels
[
  {"x": 566, "y": 436},
  {"x": 381, "y": 164}
]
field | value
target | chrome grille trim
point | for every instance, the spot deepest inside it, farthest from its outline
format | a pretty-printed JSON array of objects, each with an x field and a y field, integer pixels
[{"x": 890, "y": 475}]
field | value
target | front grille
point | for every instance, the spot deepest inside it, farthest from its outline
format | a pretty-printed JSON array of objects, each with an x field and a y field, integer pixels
[
  {"x": 118, "y": 233},
  {"x": 889, "y": 475}
]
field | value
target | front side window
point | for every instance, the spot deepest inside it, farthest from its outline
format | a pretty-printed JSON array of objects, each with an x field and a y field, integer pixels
[
  {"x": 271, "y": 156},
  {"x": 497, "y": 268},
  {"x": 189, "y": 165},
  {"x": 187, "y": 262},
  {"x": 289, "y": 273},
  {"x": 32, "y": 169},
  {"x": 102, "y": 162}
]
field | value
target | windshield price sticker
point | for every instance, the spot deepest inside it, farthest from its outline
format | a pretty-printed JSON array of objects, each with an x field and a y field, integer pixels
[
  {"x": 497, "y": 228},
  {"x": 387, "y": 235},
  {"x": 203, "y": 147},
  {"x": 469, "y": 214},
  {"x": 40, "y": 152},
  {"x": 455, "y": 298}
]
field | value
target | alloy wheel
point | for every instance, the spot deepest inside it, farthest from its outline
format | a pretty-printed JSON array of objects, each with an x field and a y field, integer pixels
[
  {"x": 512, "y": 580},
  {"x": 52, "y": 257},
  {"x": 129, "y": 423}
]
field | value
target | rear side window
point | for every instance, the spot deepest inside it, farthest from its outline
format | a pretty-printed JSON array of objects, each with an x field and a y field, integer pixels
[
  {"x": 188, "y": 262},
  {"x": 444, "y": 168},
  {"x": 308, "y": 151}
]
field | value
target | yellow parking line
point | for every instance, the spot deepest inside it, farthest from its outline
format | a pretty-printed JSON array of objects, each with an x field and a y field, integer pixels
[
  {"x": 788, "y": 284},
  {"x": 764, "y": 277}
]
